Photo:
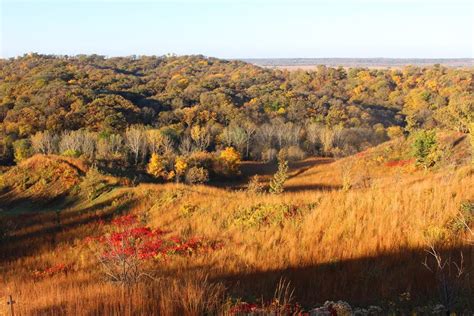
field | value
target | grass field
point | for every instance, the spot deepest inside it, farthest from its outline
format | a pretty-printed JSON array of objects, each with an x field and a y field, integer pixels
[{"x": 356, "y": 229}]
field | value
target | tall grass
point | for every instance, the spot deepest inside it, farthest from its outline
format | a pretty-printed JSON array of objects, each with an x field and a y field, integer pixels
[{"x": 365, "y": 244}]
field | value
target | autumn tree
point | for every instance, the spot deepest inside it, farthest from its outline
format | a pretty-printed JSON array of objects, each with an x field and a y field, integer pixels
[
  {"x": 180, "y": 167},
  {"x": 155, "y": 166},
  {"x": 230, "y": 159},
  {"x": 22, "y": 149}
]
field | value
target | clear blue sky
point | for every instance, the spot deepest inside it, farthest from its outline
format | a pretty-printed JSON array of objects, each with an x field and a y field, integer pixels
[{"x": 238, "y": 29}]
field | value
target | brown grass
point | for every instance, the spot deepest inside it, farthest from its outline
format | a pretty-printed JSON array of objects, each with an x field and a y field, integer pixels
[{"x": 365, "y": 245}]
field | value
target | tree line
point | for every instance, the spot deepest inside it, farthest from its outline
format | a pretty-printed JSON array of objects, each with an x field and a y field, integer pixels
[{"x": 131, "y": 107}]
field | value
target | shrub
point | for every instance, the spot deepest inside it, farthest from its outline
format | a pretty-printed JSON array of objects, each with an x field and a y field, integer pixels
[
  {"x": 464, "y": 220},
  {"x": 124, "y": 251},
  {"x": 201, "y": 159},
  {"x": 255, "y": 186},
  {"x": 279, "y": 178},
  {"x": 394, "y": 132},
  {"x": 197, "y": 175},
  {"x": 265, "y": 215},
  {"x": 295, "y": 153},
  {"x": 425, "y": 148},
  {"x": 71, "y": 153}
]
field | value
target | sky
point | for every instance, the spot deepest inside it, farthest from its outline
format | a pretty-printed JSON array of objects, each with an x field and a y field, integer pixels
[{"x": 240, "y": 29}]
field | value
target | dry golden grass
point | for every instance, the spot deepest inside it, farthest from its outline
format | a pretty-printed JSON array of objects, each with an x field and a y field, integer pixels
[{"x": 364, "y": 244}]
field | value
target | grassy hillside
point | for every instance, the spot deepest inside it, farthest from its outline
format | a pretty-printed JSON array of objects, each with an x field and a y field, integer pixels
[{"x": 355, "y": 229}]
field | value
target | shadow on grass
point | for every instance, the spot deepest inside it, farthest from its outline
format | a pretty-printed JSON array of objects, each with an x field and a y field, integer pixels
[
  {"x": 397, "y": 281},
  {"x": 50, "y": 228},
  {"x": 398, "y": 278},
  {"x": 266, "y": 170}
]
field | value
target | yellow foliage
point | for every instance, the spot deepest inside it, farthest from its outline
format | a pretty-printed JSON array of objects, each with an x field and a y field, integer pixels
[
  {"x": 394, "y": 132},
  {"x": 180, "y": 165},
  {"x": 364, "y": 75},
  {"x": 156, "y": 166},
  {"x": 196, "y": 132},
  {"x": 170, "y": 175},
  {"x": 281, "y": 111},
  {"x": 231, "y": 158}
]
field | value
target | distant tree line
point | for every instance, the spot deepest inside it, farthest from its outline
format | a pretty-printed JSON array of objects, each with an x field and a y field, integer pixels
[{"x": 127, "y": 109}]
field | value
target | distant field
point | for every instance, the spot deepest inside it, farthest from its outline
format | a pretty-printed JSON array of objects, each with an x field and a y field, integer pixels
[{"x": 308, "y": 63}]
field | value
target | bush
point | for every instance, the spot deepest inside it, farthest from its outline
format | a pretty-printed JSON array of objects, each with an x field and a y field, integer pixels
[
  {"x": 71, "y": 153},
  {"x": 197, "y": 175},
  {"x": 295, "y": 153},
  {"x": 394, "y": 132},
  {"x": 279, "y": 178},
  {"x": 255, "y": 186},
  {"x": 265, "y": 215},
  {"x": 425, "y": 148},
  {"x": 202, "y": 159}
]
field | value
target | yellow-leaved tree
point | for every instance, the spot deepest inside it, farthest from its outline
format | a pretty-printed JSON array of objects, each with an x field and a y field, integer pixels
[
  {"x": 231, "y": 160},
  {"x": 180, "y": 166},
  {"x": 156, "y": 166}
]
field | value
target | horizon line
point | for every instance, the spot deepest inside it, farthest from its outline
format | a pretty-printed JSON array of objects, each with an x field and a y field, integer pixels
[{"x": 230, "y": 58}]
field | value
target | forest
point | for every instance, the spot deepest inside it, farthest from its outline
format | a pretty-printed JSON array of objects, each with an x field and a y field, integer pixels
[{"x": 93, "y": 106}]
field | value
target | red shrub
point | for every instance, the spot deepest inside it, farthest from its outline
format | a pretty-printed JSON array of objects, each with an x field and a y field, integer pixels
[
  {"x": 53, "y": 270},
  {"x": 123, "y": 251},
  {"x": 399, "y": 163}
]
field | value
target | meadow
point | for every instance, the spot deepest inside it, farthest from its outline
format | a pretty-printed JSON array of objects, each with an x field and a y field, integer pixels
[{"x": 366, "y": 229}]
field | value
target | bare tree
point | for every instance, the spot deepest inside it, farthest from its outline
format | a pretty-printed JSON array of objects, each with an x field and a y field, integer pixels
[
  {"x": 166, "y": 145},
  {"x": 44, "y": 142},
  {"x": 327, "y": 140},
  {"x": 313, "y": 132},
  {"x": 136, "y": 140},
  {"x": 71, "y": 142},
  {"x": 291, "y": 134},
  {"x": 154, "y": 139},
  {"x": 116, "y": 144},
  {"x": 89, "y": 144},
  {"x": 449, "y": 276},
  {"x": 200, "y": 136},
  {"x": 186, "y": 146},
  {"x": 279, "y": 128},
  {"x": 110, "y": 146},
  {"x": 238, "y": 137},
  {"x": 249, "y": 129},
  {"x": 265, "y": 135}
]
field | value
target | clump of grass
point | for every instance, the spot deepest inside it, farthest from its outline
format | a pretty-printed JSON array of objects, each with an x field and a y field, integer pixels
[{"x": 265, "y": 214}]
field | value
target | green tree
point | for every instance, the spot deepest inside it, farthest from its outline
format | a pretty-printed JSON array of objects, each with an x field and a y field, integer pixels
[
  {"x": 425, "y": 148},
  {"x": 279, "y": 178},
  {"x": 22, "y": 149}
]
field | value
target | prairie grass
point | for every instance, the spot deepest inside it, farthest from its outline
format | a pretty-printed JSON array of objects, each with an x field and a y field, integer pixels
[{"x": 365, "y": 244}]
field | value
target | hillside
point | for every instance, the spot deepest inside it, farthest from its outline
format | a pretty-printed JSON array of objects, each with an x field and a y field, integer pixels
[
  {"x": 355, "y": 229},
  {"x": 209, "y": 103}
]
